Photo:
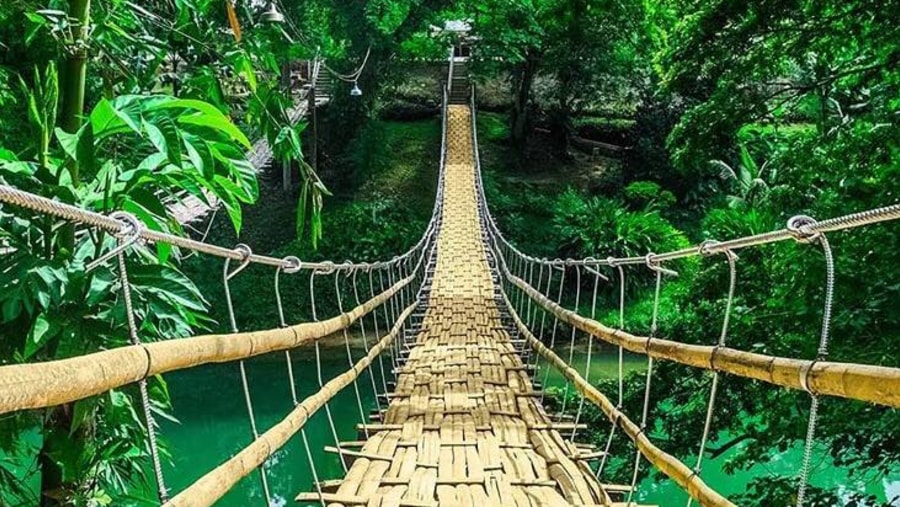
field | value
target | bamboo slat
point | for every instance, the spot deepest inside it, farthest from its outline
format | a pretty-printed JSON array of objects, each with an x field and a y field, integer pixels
[
  {"x": 874, "y": 384},
  {"x": 36, "y": 385},
  {"x": 664, "y": 462},
  {"x": 464, "y": 425},
  {"x": 213, "y": 486}
]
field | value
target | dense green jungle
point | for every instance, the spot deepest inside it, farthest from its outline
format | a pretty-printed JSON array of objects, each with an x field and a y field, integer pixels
[{"x": 605, "y": 128}]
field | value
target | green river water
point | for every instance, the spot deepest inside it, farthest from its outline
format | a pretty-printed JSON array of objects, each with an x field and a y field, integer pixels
[{"x": 209, "y": 402}]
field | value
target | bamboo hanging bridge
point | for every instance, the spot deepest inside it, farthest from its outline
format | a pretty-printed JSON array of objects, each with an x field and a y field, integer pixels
[{"x": 458, "y": 326}]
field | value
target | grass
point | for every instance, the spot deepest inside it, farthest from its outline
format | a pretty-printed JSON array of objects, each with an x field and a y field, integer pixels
[{"x": 399, "y": 160}]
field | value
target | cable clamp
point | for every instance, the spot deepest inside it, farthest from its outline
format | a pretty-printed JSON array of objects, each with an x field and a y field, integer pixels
[
  {"x": 292, "y": 264},
  {"x": 130, "y": 233},
  {"x": 804, "y": 376},
  {"x": 800, "y": 228},
  {"x": 655, "y": 265}
]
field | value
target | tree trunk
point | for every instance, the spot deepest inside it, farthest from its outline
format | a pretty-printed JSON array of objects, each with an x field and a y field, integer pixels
[
  {"x": 58, "y": 419},
  {"x": 521, "y": 120},
  {"x": 74, "y": 74}
]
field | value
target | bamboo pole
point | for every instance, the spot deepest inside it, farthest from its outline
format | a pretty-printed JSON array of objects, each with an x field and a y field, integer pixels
[
  {"x": 665, "y": 462},
  {"x": 875, "y": 384},
  {"x": 216, "y": 483},
  {"x": 36, "y": 385}
]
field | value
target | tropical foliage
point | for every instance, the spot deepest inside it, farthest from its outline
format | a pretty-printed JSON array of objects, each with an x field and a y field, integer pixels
[{"x": 623, "y": 127}]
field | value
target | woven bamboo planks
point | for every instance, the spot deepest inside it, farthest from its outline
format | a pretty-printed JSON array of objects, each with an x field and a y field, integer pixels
[
  {"x": 464, "y": 426},
  {"x": 36, "y": 385},
  {"x": 875, "y": 384},
  {"x": 666, "y": 463}
]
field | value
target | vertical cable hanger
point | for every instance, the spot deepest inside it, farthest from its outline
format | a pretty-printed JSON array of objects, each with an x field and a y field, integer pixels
[
  {"x": 590, "y": 344},
  {"x": 565, "y": 397},
  {"x": 620, "y": 370},
  {"x": 799, "y": 226},
  {"x": 656, "y": 267},
  {"x": 375, "y": 326},
  {"x": 330, "y": 270},
  {"x": 351, "y": 363},
  {"x": 365, "y": 339},
  {"x": 227, "y": 275},
  {"x": 713, "y": 388},
  {"x": 294, "y": 267},
  {"x": 559, "y": 293},
  {"x": 130, "y": 234}
]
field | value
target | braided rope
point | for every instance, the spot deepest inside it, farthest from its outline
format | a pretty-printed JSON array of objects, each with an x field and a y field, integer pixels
[
  {"x": 132, "y": 229},
  {"x": 821, "y": 355},
  {"x": 328, "y": 270},
  {"x": 588, "y": 363}
]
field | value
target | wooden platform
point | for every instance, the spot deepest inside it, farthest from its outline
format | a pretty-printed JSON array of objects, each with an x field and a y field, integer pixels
[{"x": 464, "y": 425}]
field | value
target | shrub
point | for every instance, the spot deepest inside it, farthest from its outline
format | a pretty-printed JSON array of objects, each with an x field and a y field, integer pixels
[{"x": 647, "y": 194}]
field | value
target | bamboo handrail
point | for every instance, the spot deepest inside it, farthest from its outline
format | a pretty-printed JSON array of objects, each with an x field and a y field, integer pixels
[
  {"x": 37, "y": 385},
  {"x": 216, "y": 483},
  {"x": 875, "y": 384},
  {"x": 663, "y": 461}
]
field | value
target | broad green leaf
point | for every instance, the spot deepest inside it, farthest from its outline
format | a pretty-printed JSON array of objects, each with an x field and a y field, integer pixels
[
  {"x": 157, "y": 139},
  {"x": 39, "y": 334},
  {"x": 208, "y": 116}
]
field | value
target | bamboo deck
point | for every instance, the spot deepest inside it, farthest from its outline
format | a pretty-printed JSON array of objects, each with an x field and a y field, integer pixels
[{"x": 464, "y": 426}]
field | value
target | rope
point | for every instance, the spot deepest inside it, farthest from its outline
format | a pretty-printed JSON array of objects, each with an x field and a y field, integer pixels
[
  {"x": 851, "y": 221},
  {"x": 312, "y": 298},
  {"x": 227, "y": 275},
  {"x": 713, "y": 389},
  {"x": 283, "y": 324},
  {"x": 353, "y": 76},
  {"x": 660, "y": 271},
  {"x": 375, "y": 325},
  {"x": 572, "y": 338},
  {"x": 621, "y": 370},
  {"x": 562, "y": 283},
  {"x": 362, "y": 327},
  {"x": 804, "y": 231},
  {"x": 290, "y": 367},
  {"x": 350, "y": 362},
  {"x": 544, "y": 314},
  {"x": 588, "y": 363},
  {"x": 129, "y": 234}
]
